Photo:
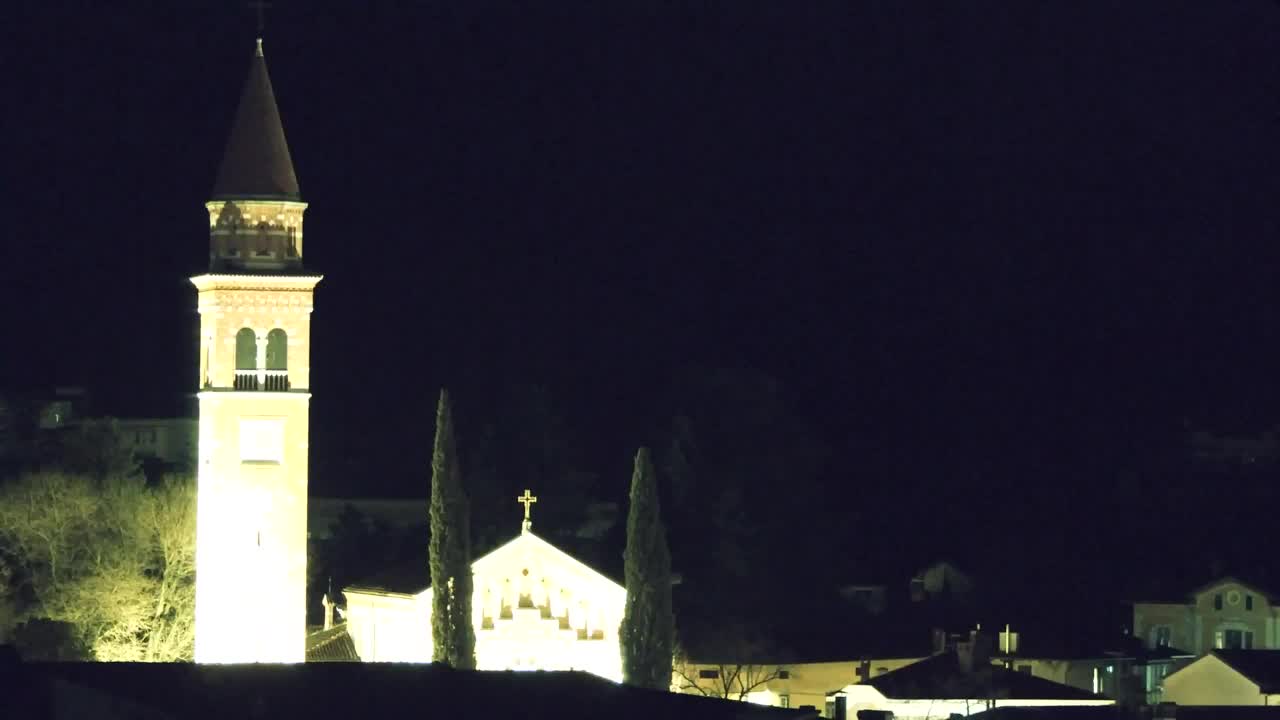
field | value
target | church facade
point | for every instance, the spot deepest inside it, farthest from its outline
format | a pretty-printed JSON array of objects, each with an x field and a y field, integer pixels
[
  {"x": 534, "y": 607},
  {"x": 254, "y": 394}
]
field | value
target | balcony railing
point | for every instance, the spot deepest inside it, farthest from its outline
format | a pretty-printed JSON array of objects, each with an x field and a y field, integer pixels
[{"x": 269, "y": 380}]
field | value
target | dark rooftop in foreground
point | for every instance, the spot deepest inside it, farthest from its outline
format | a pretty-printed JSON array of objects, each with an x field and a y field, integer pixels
[
  {"x": 1118, "y": 712},
  {"x": 942, "y": 676},
  {"x": 105, "y": 690},
  {"x": 1068, "y": 712},
  {"x": 1260, "y": 666}
]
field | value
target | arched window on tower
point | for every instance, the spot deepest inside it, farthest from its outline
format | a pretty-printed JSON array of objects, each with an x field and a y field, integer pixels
[
  {"x": 277, "y": 360},
  {"x": 246, "y": 360}
]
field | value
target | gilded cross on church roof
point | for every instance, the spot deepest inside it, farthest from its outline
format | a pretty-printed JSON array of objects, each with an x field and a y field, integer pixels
[{"x": 527, "y": 500}]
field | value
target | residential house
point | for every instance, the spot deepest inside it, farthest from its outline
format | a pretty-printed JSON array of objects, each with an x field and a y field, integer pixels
[
  {"x": 957, "y": 682},
  {"x": 941, "y": 581},
  {"x": 1150, "y": 667},
  {"x": 788, "y": 685},
  {"x": 825, "y": 644},
  {"x": 939, "y": 585},
  {"x": 169, "y": 441},
  {"x": 27, "y": 418},
  {"x": 1227, "y": 613},
  {"x": 1100, "y": 673}
]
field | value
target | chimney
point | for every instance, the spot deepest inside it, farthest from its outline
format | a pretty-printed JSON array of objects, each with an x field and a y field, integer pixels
[
  {"x": 975, "y": 652},
  {"x": 328, "y": 611},
  {"x": 940, "y": 644}
]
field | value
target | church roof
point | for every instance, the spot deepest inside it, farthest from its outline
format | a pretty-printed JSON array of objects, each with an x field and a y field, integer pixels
[
  {"x": 332, "y": 645},
  {"x": 256, "y": 164}
]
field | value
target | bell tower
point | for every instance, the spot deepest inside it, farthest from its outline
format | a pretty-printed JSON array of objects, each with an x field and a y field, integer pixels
[{"x": 254, "y": 391}]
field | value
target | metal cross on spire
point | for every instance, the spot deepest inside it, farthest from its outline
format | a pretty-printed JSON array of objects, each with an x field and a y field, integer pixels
[
  {"x": 261, "y": 7},
  {"x": 527, "y": 500}
]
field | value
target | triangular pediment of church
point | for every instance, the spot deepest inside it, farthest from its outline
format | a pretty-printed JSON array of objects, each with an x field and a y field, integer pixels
[{"x": 526, "y": 551}]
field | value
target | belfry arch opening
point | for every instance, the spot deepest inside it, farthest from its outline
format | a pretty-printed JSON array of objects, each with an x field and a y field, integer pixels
[
  {"x": 277, "y": 350},
  {"x": 277, "y": 376},
  {"x": 246, "y": 359}
]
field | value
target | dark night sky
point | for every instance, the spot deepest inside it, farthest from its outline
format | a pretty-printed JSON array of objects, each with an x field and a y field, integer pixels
[{"x": 992, "y": 249}]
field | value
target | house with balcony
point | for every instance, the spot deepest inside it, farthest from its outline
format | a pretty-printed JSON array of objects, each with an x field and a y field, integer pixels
[{"x": 1226, "y": 614}]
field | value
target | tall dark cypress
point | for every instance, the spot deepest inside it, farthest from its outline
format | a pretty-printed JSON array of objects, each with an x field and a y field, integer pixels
[
  {"x": 648, "y": 625},
  {"x": 452, "y": 635}
]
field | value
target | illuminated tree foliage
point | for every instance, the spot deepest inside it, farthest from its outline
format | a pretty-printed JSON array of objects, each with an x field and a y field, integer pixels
[
  {"x": 648, "y": 625},
  {"x": 111, "y": 562},
  {"x": 453, "y": 637}
]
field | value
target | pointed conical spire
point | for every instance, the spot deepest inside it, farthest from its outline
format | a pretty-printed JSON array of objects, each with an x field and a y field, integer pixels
[{"x": 256, "y": 163}]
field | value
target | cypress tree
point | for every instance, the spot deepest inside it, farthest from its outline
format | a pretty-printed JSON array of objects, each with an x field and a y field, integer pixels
[
  {"x": 647, "y": 633},
  {"x": 452, "y": 636}
]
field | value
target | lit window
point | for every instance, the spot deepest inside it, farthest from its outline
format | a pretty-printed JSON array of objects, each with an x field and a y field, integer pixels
[{"x": 262, "y": 440}]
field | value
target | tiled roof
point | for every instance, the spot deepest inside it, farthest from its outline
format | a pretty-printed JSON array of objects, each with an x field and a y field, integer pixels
[
  {"x": 1235, "y": 579},
  {"x": 1165, "y": 592},
  {"x": 332, "y": 645},
  {"x": 1260, "y": 666},
  {"x": 256, "y": 163},
  {"x": 311, "y": 690},
  {"x": 942, "y": 677}
]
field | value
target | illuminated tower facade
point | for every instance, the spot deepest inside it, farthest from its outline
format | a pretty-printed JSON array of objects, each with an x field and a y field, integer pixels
[{"x": 255, "y": 333}]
